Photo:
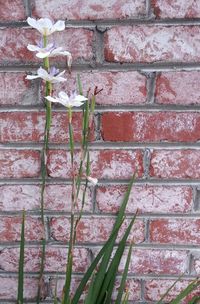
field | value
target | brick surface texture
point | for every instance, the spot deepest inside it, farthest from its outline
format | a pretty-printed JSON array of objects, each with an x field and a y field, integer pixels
[{"x": 144, "y": 56}]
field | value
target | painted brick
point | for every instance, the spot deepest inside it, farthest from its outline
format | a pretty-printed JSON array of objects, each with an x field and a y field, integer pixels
[
  {"x": 19, "y": 163},
  {"x": 175, "y": 231},
  {"x": 57, "y": 198},
  {"x": 175, "y": 164},
  {"x": 77, "y": 41},
  {"x": 12, "y": 10},
  {"x": 93, "y": 229},
  {"x": 195, "y": 263},
  {"x": 154, "y": 289},
  {"x": 55, "y": 259},
  {"x": 176, "y": 8},
  {"x": 10, "y": 229},
  {"x": 152, "y": 44},
  {"x": 145, "y": 199},
  {"x": 16, "y": 90},
  {"x": 8, "y": 288},
  {"x": 148, "y": 127},
  {"x": 78, "y": 10},
  {"x": 178, "y": 88},
  {"x": 29, "y": 127},
  {"x": 156, "y": 261},
  {"x": 127, "y": 87},
  {"x": 104, "y": 163}
]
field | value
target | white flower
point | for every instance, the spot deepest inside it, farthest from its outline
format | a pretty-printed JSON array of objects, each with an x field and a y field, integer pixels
[
  {"x": 92, "y": 180},
  {"x": 45, "y": 25},
  {"x": 53, "y": 76},
  {"x": 72, "y": 100},
  {"x": 49, "y": 51}
]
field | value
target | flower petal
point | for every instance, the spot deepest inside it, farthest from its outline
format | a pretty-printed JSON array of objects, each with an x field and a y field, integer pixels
[
  {"x": 52, "y": 99},
  {"x": 42, "y": 54},
  {"x": 80, "y": 98},
  {"x": 58, "y": 26},
  {"x": 32, "y": 22},
  {"x": 63, "y": 95},
  {"x": 33, "y": 48},
  {"x": 30, "y": 77}
]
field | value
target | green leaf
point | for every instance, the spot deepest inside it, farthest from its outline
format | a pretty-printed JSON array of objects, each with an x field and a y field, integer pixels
[
  {"x": 71, "y": 141},
  {"x": 20, "y": 294},
  {"x": 109, "y": 280},
  {"x": 192, "y": 286},
  {"x": 93, "y": 266},
  {"x": 105, "y": 252},
  {"x": 125, "y": 300},
  {"x": 194, "y": 300},
  {"x": 106, "y": 258},
  {"x": 169, "y": 289},
  {"x": 124, "y": 276}
]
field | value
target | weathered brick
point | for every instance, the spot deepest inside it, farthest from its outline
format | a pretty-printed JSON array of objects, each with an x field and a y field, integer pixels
[
  {"x": 148, "y": 127},
  {"x": 10, "y": 229},
  {"x": 178, "y": 88},
  {"x": 156, "y": 261},
  {"x": 104, "y": 163},
  {"x": 78, "y": 10},
  {"x": 12, "y": 10},
  {"x": 175, "y": 164},
  {"x": 93, "y": 229},
  {"x": 176, "y": 8},
  {"x": 175, "y": 231},
  {"x": 29, "y": 127},
  {"x": 57, "y": 198},
  {"x": 19, "y": 163},
  {"x": 8, "y": 288},
  {"x": 16, "y": 90},
  {"x": 155, "y": 289},
  {"x": 145, "y": 199},
  {"x": 118, "y": 87},
  {"x": 55, "y": 259},
  {"x": 77, "y": 41},
  {"x": 152, "y": 43}
]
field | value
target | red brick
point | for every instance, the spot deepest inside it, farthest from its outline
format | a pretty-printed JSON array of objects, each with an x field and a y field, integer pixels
[
  {"x": 55, "y": 259},
  {"x": 178, "y": 88},
  {"x": 78, "y": 10},
  {"x": 156, "y": 261},
  {"x": 176, "y": 9},
  {"x": 152, "y": 43},
  {"x": 175, "y": 231},
  {"x": 19, "y": 163},
  {"x": 8, "y": 288},
  {"x": 11, "y": 229},
  {"x": 77, "y": 41},
  {"x": 154, "y": 290},
  {"x": 175, "y": 164},
  {"x": 57, "y": 198},
  {"x": 29, "y": 127},
  {"x": 104, "y": 163},
  {"x": 145, "y": 199},
  {"x": 148, "y": 127},
  {"x": 12, "y": 10},
  {"x": 93, "y": 229},
  {"x": 118, "y": 87},
  {"x": 16, "y": 90}
]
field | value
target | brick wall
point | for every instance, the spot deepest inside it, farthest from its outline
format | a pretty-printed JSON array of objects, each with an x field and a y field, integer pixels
[{"x": 146, "y": 57}]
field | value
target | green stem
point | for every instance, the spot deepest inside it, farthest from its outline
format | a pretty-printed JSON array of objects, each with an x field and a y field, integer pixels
[{"x": 48, "y": 91}]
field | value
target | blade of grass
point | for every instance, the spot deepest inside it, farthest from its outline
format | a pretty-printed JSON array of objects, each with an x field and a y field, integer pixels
[
  {"x": 93, "y": 266},
  {"x": 124, "y": 276},
  {"x": 169, "y": 289},
  {"x": 194, "y": 300},
  {"x": 192, "y": 286},
  {"x": 109, "y": 280},
  {"x": 107, "y": 255},
  {"x": 20, "y": 294}
]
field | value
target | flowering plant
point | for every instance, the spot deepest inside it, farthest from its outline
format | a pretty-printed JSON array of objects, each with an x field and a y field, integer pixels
[{"x": 99, "y": 279}]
